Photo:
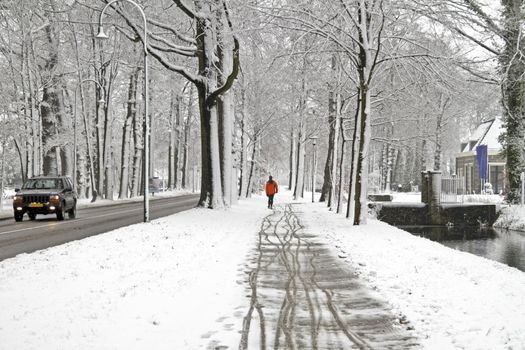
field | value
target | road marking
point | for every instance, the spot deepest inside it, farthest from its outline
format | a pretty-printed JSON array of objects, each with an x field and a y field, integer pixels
[{"x": 88, "y": 218}]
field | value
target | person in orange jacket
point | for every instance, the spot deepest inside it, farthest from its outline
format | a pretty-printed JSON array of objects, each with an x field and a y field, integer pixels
[{"x": 271, "y": 190}]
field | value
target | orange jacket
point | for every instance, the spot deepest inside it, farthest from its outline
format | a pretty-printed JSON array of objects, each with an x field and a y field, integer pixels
[{"x": 271, "y": 188}]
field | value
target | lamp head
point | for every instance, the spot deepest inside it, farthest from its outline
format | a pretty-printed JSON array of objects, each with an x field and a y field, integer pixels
[{"x": 101, "y": 34}]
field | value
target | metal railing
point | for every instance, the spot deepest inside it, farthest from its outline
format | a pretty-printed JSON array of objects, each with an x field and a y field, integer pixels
[{"x": 452, "y": 189}]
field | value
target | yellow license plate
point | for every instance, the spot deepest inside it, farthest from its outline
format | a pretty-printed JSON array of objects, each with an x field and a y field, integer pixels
[{"x": 35, "y": 205}]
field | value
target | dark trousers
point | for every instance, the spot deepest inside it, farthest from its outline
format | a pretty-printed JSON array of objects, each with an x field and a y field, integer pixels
[{"x": 270, "y": 201}]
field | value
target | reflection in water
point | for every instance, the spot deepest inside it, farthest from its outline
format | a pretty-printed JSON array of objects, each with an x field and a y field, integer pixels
[{"x": 507, "y": 247}]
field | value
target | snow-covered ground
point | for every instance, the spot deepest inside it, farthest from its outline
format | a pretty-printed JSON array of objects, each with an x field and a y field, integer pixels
[
  {"x": 415, "y": 197},
  {"x": 406, "y": 197},
  {"x": 161, "y": 285},
  {"x": 174, "y": 282}
]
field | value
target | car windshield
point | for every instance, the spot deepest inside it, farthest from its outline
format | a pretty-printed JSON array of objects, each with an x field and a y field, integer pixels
[{"x": 43, "y": 184}]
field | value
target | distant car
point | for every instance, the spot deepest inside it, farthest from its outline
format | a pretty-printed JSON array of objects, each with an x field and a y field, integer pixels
[
  {"x": 155, "y": 185},
  {"x": 45, "y": 195}
]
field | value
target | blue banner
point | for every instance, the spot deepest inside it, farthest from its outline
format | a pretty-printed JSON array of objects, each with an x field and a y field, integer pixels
[{"x": 483, "y": 161}]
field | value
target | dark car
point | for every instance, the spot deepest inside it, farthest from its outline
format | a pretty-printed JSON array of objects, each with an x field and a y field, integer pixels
[{"x": 45, "y": 195}]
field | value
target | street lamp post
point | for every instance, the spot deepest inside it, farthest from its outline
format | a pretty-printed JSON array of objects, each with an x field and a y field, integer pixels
[
  {"x": 87, "y": 135},
  {"x": 102, "y": 35},
  {"x": 314, "y": 167}
]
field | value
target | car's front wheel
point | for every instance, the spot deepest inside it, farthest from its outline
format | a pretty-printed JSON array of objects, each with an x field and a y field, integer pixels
[
  {"x": 72, "y": 213},
  {"x": 61, "y": 212},
  {"x": 19, "y": 217}
]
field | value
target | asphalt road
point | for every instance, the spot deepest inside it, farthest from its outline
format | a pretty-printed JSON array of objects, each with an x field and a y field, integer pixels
[{"x": 44, "y": 232}]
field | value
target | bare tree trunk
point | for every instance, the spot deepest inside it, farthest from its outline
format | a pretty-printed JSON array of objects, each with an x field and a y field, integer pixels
[
  {"x": 126, "y": 133},
  {"x": 108, "y": 158},
  {"x": 211, "y": 190},
  {"x": 331, "y": 201},
  {"x": 341, "y": 176},
  {"x": 365, "y": 69},
  {"x": 137, "y": 154},
  {"x": 252, "y": 168},
  {"x": 353, "y": 162},
  {"x": 52, "y": 107},
  {"x": 299, "y": 176},
  {"x": 292, "y": 160},
  {"x": 225, "y": 113},
  {"x": 177, "y": 141},
  {"x": 187, "y": 136},
  {"x": 443, "y": 104},
  {"x": 301, "y": 141},
  {"x": 21, "y": 159},
  {"x": 244, "y": 146},
  {"x": 171, "y": 167},
  {"x": 328, "y": 182}
]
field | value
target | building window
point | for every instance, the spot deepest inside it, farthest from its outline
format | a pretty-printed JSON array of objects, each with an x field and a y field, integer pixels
[{"x": 497, "y": 178}]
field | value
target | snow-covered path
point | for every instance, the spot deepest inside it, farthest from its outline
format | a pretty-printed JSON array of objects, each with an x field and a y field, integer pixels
[{"x": 304, "y": 297}]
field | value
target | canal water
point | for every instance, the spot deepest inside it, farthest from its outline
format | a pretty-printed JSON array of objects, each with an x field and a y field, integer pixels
[{"x": 507, "y": 247}]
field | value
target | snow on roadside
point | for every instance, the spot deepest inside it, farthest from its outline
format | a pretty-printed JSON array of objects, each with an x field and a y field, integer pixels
[
  {"x": 512, "y": 218},
  {"x": 86, "y": 202},
  {"x": 161, "y": 285},
  {"x": 455, "y": 300}
]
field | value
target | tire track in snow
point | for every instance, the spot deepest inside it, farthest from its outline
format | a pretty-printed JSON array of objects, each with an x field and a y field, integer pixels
[{"x": 311, "y": 300}]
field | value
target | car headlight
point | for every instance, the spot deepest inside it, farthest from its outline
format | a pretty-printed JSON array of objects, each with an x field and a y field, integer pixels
[
  {"x": 17, "y": 198},
  {"x": 54, "y": 197}
]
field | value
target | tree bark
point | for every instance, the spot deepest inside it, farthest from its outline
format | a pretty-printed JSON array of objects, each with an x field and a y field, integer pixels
[
  {"x": 225, "y": 113},
  {"x": 187, "y": 136},
  {"x": 244, "y": 145},
  {"x": 177, "y": 141},
  {"x": 331, "y": 158},
  {"x": 252, "y": 168},
  {"x": 513, "y": 66},
  {"x": 52, "y": 106},
  {"x": 126, "y": 132},
  {"x": 292, "y": 160},
  {"x": 137, "y": 154}
]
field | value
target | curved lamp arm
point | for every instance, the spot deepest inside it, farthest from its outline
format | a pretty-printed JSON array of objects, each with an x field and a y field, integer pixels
[{"x": 102, "y": 35}]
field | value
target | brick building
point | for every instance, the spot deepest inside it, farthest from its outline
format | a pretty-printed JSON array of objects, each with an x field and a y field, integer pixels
[{"x": 467, "y": 166}]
